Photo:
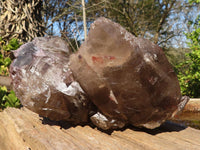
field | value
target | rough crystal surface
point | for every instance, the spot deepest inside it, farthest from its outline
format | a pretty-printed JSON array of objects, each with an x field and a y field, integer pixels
[
  {"x": 129, "y": 79},
  {"x": 44, "y": 83},
  {"x": 114, "y": 79}
]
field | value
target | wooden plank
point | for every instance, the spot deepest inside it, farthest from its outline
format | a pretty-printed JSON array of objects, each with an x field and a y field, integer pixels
[{"x": 23, "y": 129}]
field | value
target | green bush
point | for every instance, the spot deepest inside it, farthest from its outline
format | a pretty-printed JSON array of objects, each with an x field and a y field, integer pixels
[
  {"x": 5, "y": 59},
  {"x": 13, "y": 44},
  {"x": 189, "y": 71},
  {"x": 7, "y": 98},
  {"x": 4, "y": 62}
]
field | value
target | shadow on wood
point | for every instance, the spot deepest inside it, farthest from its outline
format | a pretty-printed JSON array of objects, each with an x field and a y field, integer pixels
[{"x": 23, "y": 129}]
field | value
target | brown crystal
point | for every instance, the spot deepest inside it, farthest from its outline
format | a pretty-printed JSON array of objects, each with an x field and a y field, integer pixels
[
  {"x": 114, "y": 79},
  {"x": 42, "y": 80},
  {"x": 129, "y": 79}
]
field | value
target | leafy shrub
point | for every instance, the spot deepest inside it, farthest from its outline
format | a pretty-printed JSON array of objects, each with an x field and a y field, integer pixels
[
  {"x": 7, "y": 98},
  {"x": 189, "y": 71},
  {"x": 13, "y": 44},
  {"x": 5, "y": 59},
  {"x": 4, "y": 62}
]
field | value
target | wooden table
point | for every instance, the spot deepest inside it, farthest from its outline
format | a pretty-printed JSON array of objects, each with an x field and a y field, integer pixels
[{"x": 21, "y": 129}]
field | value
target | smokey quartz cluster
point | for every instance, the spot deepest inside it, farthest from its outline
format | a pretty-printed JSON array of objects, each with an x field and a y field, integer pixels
[{"x": 113, "y": 80}]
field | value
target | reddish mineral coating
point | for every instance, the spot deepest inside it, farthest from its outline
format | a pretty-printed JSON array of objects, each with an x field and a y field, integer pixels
[{"x": 102, "y": 59}]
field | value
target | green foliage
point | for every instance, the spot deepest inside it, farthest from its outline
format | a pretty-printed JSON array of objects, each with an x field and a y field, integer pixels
[
  {"x": 8, "y": 99},
  {"x": 5, "y": 59},
  {"x": 189, "y": 71},
  {"x": 194, "y": 1},
  {"x": 4, "y": 62},
  {"x": 13, "y": 44}
]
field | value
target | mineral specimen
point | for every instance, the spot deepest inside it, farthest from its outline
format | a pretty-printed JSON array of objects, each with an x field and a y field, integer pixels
[
  {"x": 44, "y": 83},
  {"x": 128, "y": 78},
  {"x": 114, "y": 79}
]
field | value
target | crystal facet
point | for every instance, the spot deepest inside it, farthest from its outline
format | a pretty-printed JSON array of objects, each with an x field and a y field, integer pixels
[
  {"x": 44, "y": 83},
  {"x": 114, "y": 79}
]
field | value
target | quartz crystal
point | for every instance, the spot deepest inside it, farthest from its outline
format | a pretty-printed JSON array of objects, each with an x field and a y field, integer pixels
[
  {"x": 128, "y": 78},
  {"x": 115, "y": 79},
  {"x": 43, "y": 81}
]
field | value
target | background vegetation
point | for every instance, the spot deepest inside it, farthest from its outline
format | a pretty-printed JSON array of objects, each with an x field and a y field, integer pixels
[
  {"x": 189, "y": 70},
  {"x": 7, "y": 98},
  {"x": 172, "y": 24}
]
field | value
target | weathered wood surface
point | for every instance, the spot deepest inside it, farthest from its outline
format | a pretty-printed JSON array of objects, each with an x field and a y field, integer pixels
[
  {"x": 193, "y": 105},
  {"x": 191, "y": 111},
  {"x": 21, "y": 129}
]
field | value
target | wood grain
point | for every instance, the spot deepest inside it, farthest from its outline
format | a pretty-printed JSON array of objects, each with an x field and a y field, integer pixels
[{"x": 23, "y": 129}]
